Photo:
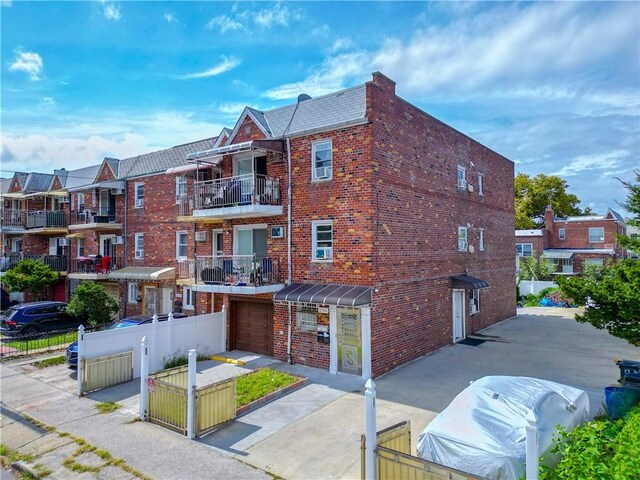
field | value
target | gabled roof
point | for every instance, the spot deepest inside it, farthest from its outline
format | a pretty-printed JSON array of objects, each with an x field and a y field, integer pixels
[
  {"x": 257, "y": 117},
  {"x": 224, "y": 134},
  {"x": 610, "y": 215},
  {"x": 113, "y": 163},
  {"x": 37, "y": 182},
  {"x": 62, "y": 176},
  {"x": 615, "y": 215},
  {"x": 161, "y": 160},
  {"x": 5, "y": 183},
  {"x": 22, "y": 178},
  {"x": 82, "y": 176}
]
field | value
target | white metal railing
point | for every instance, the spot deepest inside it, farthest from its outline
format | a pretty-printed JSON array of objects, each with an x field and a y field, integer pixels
[
  {"x": 13, "y": 218},
  {"x": 250, "y": 189},
  {"x": 57, "y": 263},
  {"x": 93, "y": 215},
  {"x": 238, "y": 270},
  {"x": 186, "y": 268}
]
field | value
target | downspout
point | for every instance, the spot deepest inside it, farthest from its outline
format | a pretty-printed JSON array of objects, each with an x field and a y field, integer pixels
[
  {"x": 289, "y": 261},
  {"x": 124, "y": 243}
]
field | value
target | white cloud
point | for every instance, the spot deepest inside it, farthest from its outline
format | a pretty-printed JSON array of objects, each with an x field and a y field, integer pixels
[
  {"x": 28, "y": 62},
  {"x": 231, "y": 108},
  {"x": 227, "y": 63},
  {"x": 170, "y": 18},
  {"x": 605, "y": 162},
  {"x": 49, "y": 102},
  {"x": 321, "y": 31},
  {"x": 225, "y": 23},
  {"x": 277, "y": 15},
  {"x": 111, "y": 11},
  {"x": 342, "y": 44}
]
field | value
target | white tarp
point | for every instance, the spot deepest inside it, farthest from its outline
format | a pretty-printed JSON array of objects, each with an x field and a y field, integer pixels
[{"x": 482, "y": 431}]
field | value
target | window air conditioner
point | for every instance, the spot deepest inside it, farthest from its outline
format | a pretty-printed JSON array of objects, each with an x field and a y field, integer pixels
[
  {"x": 470, "y": 187},
  {"x": 324, "y": 253},
  {"x": 63, "y": 242},
  {"x": 463, "y": 245},
  {"x": 117, "y": 191},
  {"x": 201, "y": 236},
  {"x": 119, "y": 240},
  {"x": 64, "y": 199},
  {"x": 139, "y": 254},
  {"x": 323, "y": 172},
  {"x": 462, "y": 183}
]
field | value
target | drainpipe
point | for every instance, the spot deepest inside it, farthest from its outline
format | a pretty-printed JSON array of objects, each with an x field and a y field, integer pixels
[
  {"x": 289, "y": 262},
  {"x": 124, "y": 243}
]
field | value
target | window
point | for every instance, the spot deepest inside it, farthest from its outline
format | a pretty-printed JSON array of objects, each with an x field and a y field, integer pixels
[
  {"x": 597, "y": 262},
  {"x": 474, "y": 301},
  {"x": 480, "y": 184},
  {"x": 80, "y": 202},
  {"x": 463, "y": 244},
  {"x": 81, "y": 247},
  {"x": 306, "y": 317},
  {"x": 133, "y": 292},
  {"x": 524, "y": 249},
  {"x": 188, "y": 299},
  {"x": 596, "y": 234},
  {"x": 563, "y": 265},
  {"x": 181, "y": 245},
  {"x": 481, "y": 240},
  {"x": 322, "y": 160},
  {"x": 139, "y": 245},
  {"x": 322, "y": 240},
  {"x": 218, "y": 242},
  {"x": 561, "y": 233},
  {"x": 181, "y": 188},
  {"x": 462, "y": 179},
  {"x": 139, "y": 195}
]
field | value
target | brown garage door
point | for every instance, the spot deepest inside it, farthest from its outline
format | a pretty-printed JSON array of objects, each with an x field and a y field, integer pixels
[{"x": 253, "y": 327}]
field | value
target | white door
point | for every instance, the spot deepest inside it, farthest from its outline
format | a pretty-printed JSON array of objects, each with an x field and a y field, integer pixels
[
  {"x": 53, "y": 246},
  {"x": 218, "y": 239},
  {"x": 458, "y": 315},
  {"x": 166, "y": 300},
  {"x": 107, "y": 246}
]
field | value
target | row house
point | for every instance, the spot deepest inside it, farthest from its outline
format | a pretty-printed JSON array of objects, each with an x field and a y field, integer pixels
[{"x": 572, "y": 243}]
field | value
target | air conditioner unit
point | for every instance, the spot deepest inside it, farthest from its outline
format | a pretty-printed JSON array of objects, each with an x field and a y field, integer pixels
[
  {"x": 64, "y": 199},
  {"x": 324, "y": 253},
  {"x": 470, "y": 187},
  {"x": 463, "y": 245},
  {"x": 117, "y": 191},
  {"x": 63, "y": 242},
  {"x": 323, "y": 172},
  {"x": 119, "y": 240},
  {"x": 462, "y": 183},
  {"x": 139, "y": 254},
  {"x": 201, "y": 236}
]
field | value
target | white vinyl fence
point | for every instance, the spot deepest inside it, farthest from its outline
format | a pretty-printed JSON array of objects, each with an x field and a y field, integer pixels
[{"x": 534, "y": 286}]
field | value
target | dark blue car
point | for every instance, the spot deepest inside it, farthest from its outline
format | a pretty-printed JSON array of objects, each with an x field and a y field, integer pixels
[
  {"x": 36, "y": 317},
  {"x": 72, "y": 350}
]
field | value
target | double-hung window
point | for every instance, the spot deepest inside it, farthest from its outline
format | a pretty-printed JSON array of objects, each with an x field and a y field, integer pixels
[
  {"x": 139, "y": 245},
  {"x": 80, "y": 202},
  {"x": 596, "y": 234},
  {"x": 561, "y": 233},
  {"x": 139, "y": 195},
  {"x": 80, "y": 247},
  {"x": 322, "y": 160},
  {"x": 462, "y": 177},
  {"x": 181, "y": 245},
  {"x": 524, "y": 249},
  {"x": 480, "y": 184},
  {"x": 133, "y": 292},
  {"x": 481, "y": 240},
  {"x": 322, "y": 240},
  {"x": 463, "y": 243},
  {"x": 188, "y": 299},
  {"x": 181, "y": 188},
  {"x": 474, "y": 301}
]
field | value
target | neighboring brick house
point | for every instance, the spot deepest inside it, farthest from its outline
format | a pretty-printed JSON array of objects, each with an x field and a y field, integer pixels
[
  {"x": 571, "y": 243},
  {"x": 382, "y": 232}
]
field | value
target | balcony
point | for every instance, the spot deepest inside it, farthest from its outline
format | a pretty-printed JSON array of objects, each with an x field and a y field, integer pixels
[
  {"x": 239, "y": 274},
  {"x": 50, "y": 222},
  {"x": 243, "y": 196},
  {"x": 57, "y": 263},
  {"x": 100, "y": 219},
  {"x": 93, "y": 267},
  {"x": 13, "y": 221}
]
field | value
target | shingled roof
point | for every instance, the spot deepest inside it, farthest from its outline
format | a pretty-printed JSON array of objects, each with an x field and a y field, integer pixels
[{"x": 82, "y": 176}]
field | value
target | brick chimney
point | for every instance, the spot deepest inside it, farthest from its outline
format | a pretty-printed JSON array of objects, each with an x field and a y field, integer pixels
[
  {"x": 548, "y": 218},
  {"x": 384, "y": 82}
]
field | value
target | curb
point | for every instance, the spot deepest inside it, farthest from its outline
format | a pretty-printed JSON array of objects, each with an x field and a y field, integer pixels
[
  {"x": 23, "y": 467},
  {"x": 261, "y": 402}
]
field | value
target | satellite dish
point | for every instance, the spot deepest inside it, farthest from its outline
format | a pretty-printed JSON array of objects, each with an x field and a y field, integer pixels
[{"x": 302, "y": 97}]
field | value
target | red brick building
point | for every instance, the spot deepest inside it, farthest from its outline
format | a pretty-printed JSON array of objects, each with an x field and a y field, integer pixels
[{"x": 571, "y": 243}]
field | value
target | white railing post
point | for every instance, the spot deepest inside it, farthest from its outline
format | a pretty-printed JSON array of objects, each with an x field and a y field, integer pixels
[
  {"x": 191, "y": 390},
  {"x": 155, "y": 347},
  {"x": 532, "y": 448},
  {"x": 370, "y": 430},
  {"x": 79, "y": 371},
  {"x": 223, "y": 330},
  {"x": 144, "y": 375},
  {"x": 171, "y": 325}
]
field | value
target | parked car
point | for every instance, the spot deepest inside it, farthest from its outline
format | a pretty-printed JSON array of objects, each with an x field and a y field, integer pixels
[
  {"x": 72, "y": 350},
  {"x": 35, "y": 317},
  {"x": 6, "y": 300}
]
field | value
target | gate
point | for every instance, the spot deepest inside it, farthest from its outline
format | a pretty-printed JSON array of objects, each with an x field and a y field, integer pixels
[
  {"x": 106, "y": 370},
  {"x": 215, "y": 404},
  {"x": 168, "y": 399}
]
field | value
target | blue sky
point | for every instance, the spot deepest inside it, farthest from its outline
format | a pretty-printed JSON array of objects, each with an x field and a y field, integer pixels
[{"x": 554, "y": 86}]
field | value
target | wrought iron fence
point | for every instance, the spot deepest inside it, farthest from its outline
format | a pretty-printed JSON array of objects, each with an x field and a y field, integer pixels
[
  {"x": 186, "y": 268},
  {"x": 36, "y": 343},
  {"x": 239, "y": 270},
  {"x": 13, "y": 218}
]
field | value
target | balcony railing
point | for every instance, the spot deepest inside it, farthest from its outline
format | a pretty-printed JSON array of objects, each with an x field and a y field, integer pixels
[
  {"x": 93, "y": 215},
  {"x": 241, "y": 190},
  {"x": 46, "y": 219},
  {"x": 237, "y": 270},
  {"x": 10, "y": 260},
  {"x": 186, "y": 269},
  {"x": 13, "y": 218},
  {"x": 57, "y": 263},
  {"x": 95, "y": 265}
]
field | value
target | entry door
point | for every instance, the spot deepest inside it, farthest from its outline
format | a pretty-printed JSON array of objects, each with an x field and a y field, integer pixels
[
  {"x": 16, "y": 245},
  {"x": 250, "y": 241},
  {"x": 150, "y": 297},
  {"x": 218, "y": 239},
  {"x": 458, "y": 315},
  {"x": 54, "y": 248},
  {"x": 107, "y": 246},
  {"x": 349, "y": 338}
]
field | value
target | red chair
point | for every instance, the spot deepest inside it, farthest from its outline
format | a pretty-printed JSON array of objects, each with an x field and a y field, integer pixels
[{"x": 104, "y": 265}]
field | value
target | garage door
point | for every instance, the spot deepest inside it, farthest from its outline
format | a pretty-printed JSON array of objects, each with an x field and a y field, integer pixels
[{"x": 253, "y": 327}]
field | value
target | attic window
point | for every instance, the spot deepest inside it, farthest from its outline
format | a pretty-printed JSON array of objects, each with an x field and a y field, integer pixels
[{"x": 247, "y": 129}]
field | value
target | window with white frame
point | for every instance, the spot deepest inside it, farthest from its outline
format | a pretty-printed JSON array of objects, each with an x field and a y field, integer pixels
[
  {"x": 480, "y": 184},
  {"x": 80, "y": 201},
  {"x": 139, "y": 195},
  {"x": 322, "y": 160},
  {"x": 133, "y": 292},
  {"x": 181, "y": 188},
  {"x": 561, "y": 233},
  {"x": 80, "y": 247},
  {"x": 139, "y": 245},
  {"x": 474, "y": 301},
  {"x": 188, "y": 298},
  {"x": 524, "y": 249},
  {"x": 462, "y": 177},
  {"x": 596, "y": 234},
  {"x": 594, "y": 262},
  {"x": 306, "y": 317},
  {"x": 181, "y": 245},
  {"x": 463, "y": 242},
  {"x": 322, "y": 240},
  {"x": 481, "y": 240}
]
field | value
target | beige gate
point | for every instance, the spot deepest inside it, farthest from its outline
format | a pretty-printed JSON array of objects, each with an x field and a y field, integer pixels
[
  {"x": 168, "y": 399},
  {"x": 215, "y": 404},
  {"x": 106, "y": 370}
]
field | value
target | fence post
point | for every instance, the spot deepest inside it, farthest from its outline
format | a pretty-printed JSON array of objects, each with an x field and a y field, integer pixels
[
  {"x": 79, "y": 371},
  {"x": 191, "y": 387},
  {"x": 370, "y": 430},
  {"x": 155, "y": 361},
  {"x": 171, "y": 329},
  {"x": 223, "y": 330},
  {"x": 532, "y": 449},
  {"x": 144, "y": 375}
]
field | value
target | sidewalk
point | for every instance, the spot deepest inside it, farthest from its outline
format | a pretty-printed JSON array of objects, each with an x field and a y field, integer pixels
[{"x": 147, "y": 451}]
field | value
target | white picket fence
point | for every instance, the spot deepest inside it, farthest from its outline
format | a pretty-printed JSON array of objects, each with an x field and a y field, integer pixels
[
  {"x": 534, "y": 286},
  {"x": 205, "y": 333}
]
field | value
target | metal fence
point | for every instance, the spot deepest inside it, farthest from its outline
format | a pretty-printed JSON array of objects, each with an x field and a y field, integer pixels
[
  {"x": 215, "y": 404},
  {"x": 94, "y": 215},
  {"x": 239, "y": 190},
  {"x": 57, "y": 263},
  {"x": 46, "y": 219},
  {"x": 237, "y": 270},
  {"x": 13, "y": 217},
  {"x": 107, "y": 370},
  {"x": 33, "y": 344}
]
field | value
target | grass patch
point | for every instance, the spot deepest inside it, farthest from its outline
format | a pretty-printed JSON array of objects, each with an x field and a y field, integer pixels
[
  {"x": 255, "y": 385},
  {"x": 180, "y": 360},
  {"x": 49, "y": 362},
  {"x": 58, "y": 340},
  {"x": 107, "y": 407}
]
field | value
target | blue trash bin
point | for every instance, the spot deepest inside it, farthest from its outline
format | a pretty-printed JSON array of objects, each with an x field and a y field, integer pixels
[{"x": 620, "y": 399}]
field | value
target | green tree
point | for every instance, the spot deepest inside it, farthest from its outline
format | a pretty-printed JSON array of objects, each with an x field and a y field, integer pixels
[
  {"x": 90, "y": 300},
  {"x": 31, "y": 276},
  {"x": 632, "y": 205},
  {"x": 535, "y": 268},
  {"x": 612, "y": 295},
  {"x": 534, "y": 194}
]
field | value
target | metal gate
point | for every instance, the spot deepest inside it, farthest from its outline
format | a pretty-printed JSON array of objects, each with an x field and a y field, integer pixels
[
  {"x": 215, "y": 404},
  {"x": 106, "y": 370}
]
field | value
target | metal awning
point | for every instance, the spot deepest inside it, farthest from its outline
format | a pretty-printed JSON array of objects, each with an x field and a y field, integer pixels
[
  {"x": 325, "y": 294},
  {"x": 557, "y": 254},
  {"x": 75, "y": 235},
  {"x": 13, "y": 195},
  {"x": 272, "y": 145},
  {"x": 192, "y": 167},
  {"x": 465, "y": 282},
  {"x": 52, "y": 193},
  {"x": 153, "y": 274}
]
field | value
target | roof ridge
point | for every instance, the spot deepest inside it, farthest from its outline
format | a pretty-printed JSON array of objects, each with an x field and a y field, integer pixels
[{"x": 312, "y": 99}]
